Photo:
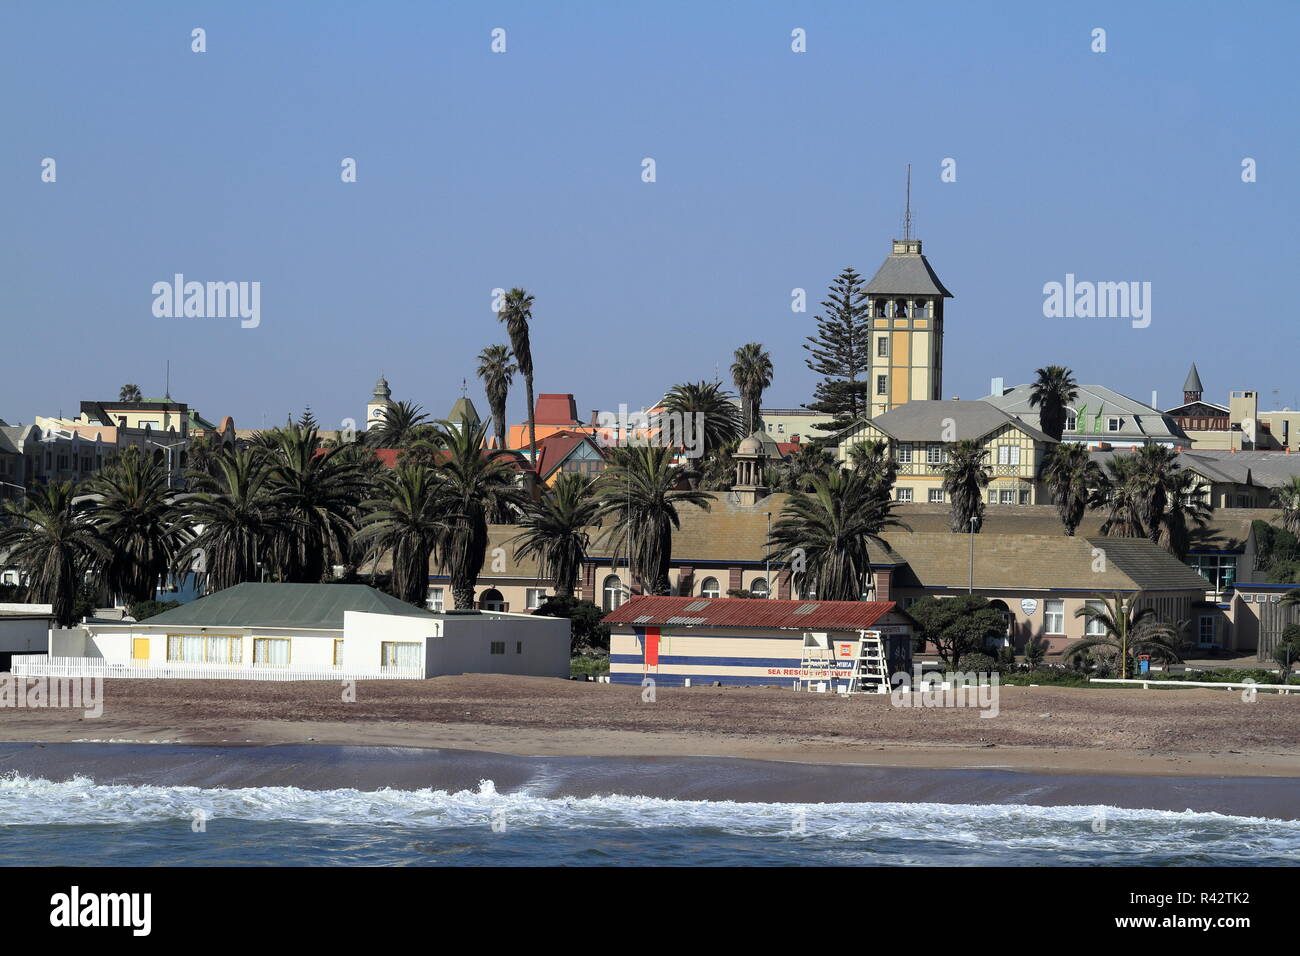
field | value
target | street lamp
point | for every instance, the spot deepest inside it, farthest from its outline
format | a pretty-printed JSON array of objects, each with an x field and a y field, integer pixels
[
  {"x": 767, "y": 558},
  {"x": 168, "y": 449},
  {"x": 970, "y": 589}
]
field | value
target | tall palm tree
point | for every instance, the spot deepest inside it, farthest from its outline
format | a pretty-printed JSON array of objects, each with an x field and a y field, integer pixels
[
  {"x": 640, "y": 493},
  {"x": 751, "y": 371},
  {"x": 517, "y": 313},
  {"x": 49, "y": 538},
  {"x": 1154, "y": 469},
  {"x": 873, "y": 461},
  {"x": 1052, "y": 393},
  {"x": 1127, "y": 629},
  {"x": 965, "y": 476},
  {"x": 474, "y": 483},
  {"x": 1122, "y": 499},
  {"x": 408, "y": 518},
  {"x": 238, "y": 520},
  {"x": 556, "y": 530},
  {"x": 1288, "y": 500},
  {"x": 832, "y": 530},
  {"x": 497, "y": 371},
  {"x": 1073, "y": 478},
  {"x": 402, "y": 425},
  {"x": 708, "y": 414},
  {"x": 129, "y": 393},
  {"x": 134, "y": 517},
  {"x": 317, "y": 491},
  {"x": 1186, "y": 505}
]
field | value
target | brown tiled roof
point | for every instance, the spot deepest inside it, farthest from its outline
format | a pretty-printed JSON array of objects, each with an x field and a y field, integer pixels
[{"x": 1040, "y": 562}]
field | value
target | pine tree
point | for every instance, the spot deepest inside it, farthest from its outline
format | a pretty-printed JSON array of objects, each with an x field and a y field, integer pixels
[
  {"x": 841, "y": 354},
  {"x": 308, "y": 420}
]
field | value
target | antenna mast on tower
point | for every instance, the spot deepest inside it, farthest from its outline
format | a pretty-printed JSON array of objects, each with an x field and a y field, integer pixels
[{"x": 907, "y": 211}]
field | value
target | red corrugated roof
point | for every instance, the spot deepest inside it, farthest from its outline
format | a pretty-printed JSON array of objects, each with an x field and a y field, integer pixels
[{"x": 750, "y": 612}]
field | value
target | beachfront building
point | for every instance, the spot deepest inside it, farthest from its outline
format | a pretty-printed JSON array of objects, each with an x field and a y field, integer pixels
[
  {"x": 24, "y": 629},
  {"x": 1099, "y": 417},
  {"x": 919, "y": 432},
  {"x": 739, "y": 640},
  {"x": 315, "y": 630},
  {"x": 721, "y": 552}
]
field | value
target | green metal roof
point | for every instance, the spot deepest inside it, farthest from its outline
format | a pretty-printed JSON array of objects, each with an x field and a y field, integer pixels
[{"x": 311, "y": 606}]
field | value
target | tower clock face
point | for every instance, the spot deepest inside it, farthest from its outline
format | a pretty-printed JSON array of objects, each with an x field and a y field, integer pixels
[{"x": 377, "y": 413}]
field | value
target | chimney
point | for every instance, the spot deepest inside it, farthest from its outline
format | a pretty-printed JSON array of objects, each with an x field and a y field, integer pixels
[
  {"x": 1155, "y": 402},
  {"x": 997, "y": 386}
]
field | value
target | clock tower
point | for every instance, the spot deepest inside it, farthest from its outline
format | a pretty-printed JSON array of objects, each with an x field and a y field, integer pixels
[{"x": 379, "y": 401}]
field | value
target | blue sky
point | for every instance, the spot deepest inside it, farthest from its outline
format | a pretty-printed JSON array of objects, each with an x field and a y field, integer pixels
[{"x": 774, "y": 171}]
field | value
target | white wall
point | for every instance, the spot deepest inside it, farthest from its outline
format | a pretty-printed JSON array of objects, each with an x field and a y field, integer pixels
[
  {"x": 534, "y": 645},
  {"x": 24, "y": 635}
]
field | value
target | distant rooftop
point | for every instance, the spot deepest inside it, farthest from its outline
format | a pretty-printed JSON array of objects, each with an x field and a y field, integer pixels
[{"x": 312, "y": 606}]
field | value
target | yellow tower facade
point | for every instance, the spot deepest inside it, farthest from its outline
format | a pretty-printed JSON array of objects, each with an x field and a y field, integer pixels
[{"x": 905, "y": 302}]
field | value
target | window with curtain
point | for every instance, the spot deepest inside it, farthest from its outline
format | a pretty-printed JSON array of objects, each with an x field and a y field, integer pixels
[
  {"x": 224, "y": 650},
  {"x": 400, "y": 653},
  {"x": 271, "y": 650},
  {"x": 187, "y": 648}
]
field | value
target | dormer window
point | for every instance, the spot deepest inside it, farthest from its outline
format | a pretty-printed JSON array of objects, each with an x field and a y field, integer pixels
[{"x": 1071, "y": 421}]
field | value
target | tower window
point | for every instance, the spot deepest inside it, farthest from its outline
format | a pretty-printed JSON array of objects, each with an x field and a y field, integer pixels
[
  {"x": 881, "y": 387},
  {"x": 882, "y": 347}
]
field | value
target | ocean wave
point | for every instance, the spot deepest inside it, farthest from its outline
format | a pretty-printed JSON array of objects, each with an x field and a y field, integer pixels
[{"x": 34, "y": 801}]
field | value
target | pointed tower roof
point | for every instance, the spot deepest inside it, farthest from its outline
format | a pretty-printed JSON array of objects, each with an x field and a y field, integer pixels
[
  {"x": 1193, "y": 383},
  {"x": 464, "y": 412},
  {"x": 906, "y": 272},
  {"x": 381, "y": 388}
]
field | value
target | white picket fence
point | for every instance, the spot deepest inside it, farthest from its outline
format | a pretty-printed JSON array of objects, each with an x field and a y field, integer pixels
[
  {"x": 1283, "y": 689},
  {"x": 38, "y": 665}
]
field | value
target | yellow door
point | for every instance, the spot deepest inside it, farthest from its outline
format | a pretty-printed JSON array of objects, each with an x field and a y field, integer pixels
[{"x": 140, "y": 649}]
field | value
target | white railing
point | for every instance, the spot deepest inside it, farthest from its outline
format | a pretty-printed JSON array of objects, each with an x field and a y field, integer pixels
[
  {"x": 1147, "y": 684},
  {"x": 38, "y": 665}
]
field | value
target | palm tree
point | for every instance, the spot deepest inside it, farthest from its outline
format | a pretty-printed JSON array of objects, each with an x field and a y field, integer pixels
[
  {"x": 1052, "y": 393},
  {"x": 709, "y": 416},
  {"x": 797, "y": 473},
  {"x": 1154, "y": 468},
  {"x": 1185, "y": 505},
  {"x": 409, "y": 518},
  {"x": 1121, "y": 497},
  {"x": 752, "y": 374},
  {"x": 1073, "y": 478},
  {"x": 239, "y": 521},
  {"x": 832, "y": 530},
  {"x": 965, "y": 476},
  {"x": 640, "y": 492},
  {"x": 403, "y": 424},
  {"x": 496, "y": 370},
  {"x": 1288, "y": 500},
  {"x": 556, "y": 530},
  {"x": 474, "y": 483},
  {"x": 516, "y": 313},
  {"x": 1128, "y": 630},
  {"x": 133, "y": 516},
  {"x": 51, "y": 541},
  {"x": 317, "y": 491},
  {"x": 872, "y": 459},
  {"x": 130, "y": 393}
]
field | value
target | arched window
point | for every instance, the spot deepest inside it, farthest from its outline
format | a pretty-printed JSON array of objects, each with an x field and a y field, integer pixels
[
  {"x": 613, "y": 593},
  {"x": 920, "y": 308},
  {"x": 709, "y": 588},
  {"x": 758, "y": 588},
  {"x": 491, "y": 600}
]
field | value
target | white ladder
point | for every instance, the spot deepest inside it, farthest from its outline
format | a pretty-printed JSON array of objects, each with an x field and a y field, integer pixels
[
  {"x": 819, "y": 655},
  {"x": 870, "y": 672}
]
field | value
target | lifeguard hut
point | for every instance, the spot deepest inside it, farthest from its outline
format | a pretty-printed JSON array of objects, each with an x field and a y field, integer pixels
[{"x": 858, "y": 665}]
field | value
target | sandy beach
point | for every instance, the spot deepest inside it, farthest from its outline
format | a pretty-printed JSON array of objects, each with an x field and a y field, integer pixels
[{"x": 1200, "y": 733}]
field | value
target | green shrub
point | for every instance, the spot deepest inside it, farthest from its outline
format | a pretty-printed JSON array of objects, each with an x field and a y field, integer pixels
[
  {"x": 589, "y": 665},
  {"x": 977, "y": 662}
]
